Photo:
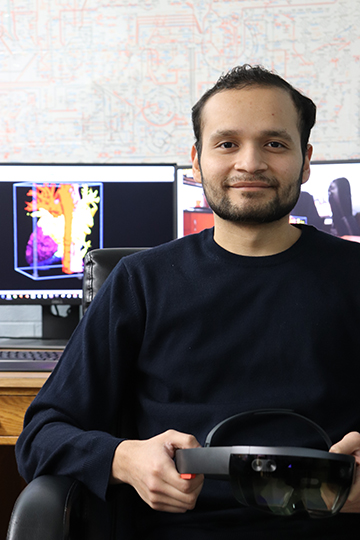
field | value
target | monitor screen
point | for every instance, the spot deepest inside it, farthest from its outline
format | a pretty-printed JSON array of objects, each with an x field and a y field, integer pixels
[
  {"x": 52, "y": 214},
  {"x": 329, "y": 200},
  {"x": 193, "y": 212}
]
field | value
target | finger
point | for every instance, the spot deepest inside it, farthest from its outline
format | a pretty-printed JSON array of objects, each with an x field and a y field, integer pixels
[
  {"x": 183, "y": 496},
  {"x": 189, "y": 486},
  {"x": 175, "y": 440},
  {"x": 166, "y": 506},
  {"x": 350, "y": 444},
  {"x": 181, "y": 489},
  {"x": 354, "y": 495},
  {"x": 150, "y": 468},
  {"x": 164, "y": 485},
  {"x": 184, "y": 491}
]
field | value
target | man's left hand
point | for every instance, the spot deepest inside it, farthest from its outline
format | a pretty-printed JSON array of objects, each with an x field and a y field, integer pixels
[{"x": 350, "y": 444}]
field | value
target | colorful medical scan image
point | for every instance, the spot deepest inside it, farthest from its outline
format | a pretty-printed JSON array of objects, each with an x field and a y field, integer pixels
[{"x": 64, "y": 225}]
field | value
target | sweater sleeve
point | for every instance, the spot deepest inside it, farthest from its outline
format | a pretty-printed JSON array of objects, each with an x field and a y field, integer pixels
[{"x": 73, "y": 426}]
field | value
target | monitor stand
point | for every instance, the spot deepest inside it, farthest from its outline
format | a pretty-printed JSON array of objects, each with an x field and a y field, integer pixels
[{"x": 57, "y": 327}]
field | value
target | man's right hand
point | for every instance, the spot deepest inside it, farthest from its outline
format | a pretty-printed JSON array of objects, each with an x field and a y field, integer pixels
[{"x": 150, "y": 468}]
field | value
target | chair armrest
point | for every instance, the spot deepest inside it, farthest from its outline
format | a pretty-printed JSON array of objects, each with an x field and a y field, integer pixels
[{"x": 43, "y": 509}]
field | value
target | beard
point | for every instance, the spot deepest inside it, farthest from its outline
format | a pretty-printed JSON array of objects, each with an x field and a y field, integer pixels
[{"x": 254, "y": 210}]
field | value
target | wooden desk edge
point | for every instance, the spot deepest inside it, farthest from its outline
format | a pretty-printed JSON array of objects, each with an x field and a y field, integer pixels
[
  {"x": 8, "y": 440},
  {"x": 10, "y": 379}
]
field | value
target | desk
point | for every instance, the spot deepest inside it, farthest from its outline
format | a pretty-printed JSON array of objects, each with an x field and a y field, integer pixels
[{"x": 17, "y": 390}]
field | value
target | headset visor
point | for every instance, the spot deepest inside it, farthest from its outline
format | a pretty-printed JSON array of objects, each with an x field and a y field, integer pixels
[{"x": 286, "y": 484}]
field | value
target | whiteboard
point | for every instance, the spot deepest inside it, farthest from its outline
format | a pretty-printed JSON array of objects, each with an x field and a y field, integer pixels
[{"x": 114, "y": 81}]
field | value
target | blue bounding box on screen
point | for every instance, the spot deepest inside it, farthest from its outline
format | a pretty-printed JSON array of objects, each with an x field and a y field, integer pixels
[{"x": 55, "y": 224}]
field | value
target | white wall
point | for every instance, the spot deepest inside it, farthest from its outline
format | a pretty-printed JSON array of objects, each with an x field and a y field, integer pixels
[{"x": 20, "y": 321}]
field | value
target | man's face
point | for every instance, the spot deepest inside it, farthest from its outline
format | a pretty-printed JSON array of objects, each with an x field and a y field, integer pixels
[{"x": 251, "y": 163}]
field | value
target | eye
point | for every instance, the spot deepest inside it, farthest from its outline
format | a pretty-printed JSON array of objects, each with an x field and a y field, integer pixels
[
  {"x": 227, "y": 145},
  {"x": 276, "y": 144}
]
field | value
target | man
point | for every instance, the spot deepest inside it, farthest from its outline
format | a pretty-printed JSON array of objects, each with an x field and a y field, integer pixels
[{"x": 187, "y": 334}]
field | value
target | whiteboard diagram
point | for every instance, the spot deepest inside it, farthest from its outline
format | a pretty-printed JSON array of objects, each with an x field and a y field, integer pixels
[{"x": 114, "y": 81}]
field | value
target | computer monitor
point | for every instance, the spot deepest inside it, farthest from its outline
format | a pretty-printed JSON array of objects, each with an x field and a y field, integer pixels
[
  {"x": 193, "y": 211},
  {"x": 52, "y": 214},
  {"x": 329, "y": 200}
]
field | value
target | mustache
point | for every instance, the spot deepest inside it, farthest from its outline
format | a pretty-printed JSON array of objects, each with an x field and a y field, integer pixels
[{"x": 251, "y": 178}]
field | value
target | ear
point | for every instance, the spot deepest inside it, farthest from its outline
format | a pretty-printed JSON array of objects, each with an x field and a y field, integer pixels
[
  {"x": 195, "y": 164},
  {"x": 306, "y": 167}
]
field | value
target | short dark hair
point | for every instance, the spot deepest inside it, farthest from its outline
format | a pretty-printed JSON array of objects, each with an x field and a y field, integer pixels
[{"x": 245, "y": 76}]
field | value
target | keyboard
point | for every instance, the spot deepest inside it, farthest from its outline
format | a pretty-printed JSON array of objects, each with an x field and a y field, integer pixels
[
  {"x": 30, "y": 354},
  {"x": 29, "y": 359}
]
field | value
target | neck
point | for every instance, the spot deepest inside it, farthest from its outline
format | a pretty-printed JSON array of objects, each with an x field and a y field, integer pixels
[{"x": 255, "y": 240}]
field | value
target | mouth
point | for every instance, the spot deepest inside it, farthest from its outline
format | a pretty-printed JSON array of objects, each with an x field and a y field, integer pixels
[
  {"x": 248, "y": 182},
  {"x": 250, "y": 186}
]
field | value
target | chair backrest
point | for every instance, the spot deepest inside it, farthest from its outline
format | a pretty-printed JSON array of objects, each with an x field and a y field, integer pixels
[{"x": 98, "y": 264}]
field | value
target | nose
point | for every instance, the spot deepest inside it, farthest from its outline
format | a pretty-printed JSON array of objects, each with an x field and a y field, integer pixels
[{"x": 250, "y": 159}]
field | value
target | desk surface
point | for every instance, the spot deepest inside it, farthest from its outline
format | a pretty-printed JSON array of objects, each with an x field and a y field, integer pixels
[
  {"x": 17, "y": 390},
  {"x": 23, "y": 380}
]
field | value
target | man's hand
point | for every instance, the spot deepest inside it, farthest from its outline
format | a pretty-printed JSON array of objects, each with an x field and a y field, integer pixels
[
  {"x": 350, "y": 444},
  {"x": 149, "y": 467}
]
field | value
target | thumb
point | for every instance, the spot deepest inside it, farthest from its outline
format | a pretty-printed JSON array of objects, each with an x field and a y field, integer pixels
[{"x": 174, "y": 440}]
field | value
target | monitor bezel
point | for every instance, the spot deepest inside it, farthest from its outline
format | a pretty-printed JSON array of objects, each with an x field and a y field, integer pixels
[{"x": 65, "y": 298}]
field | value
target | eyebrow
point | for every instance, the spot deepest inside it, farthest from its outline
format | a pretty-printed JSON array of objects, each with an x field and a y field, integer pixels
[{"x": 282, "y": 133}]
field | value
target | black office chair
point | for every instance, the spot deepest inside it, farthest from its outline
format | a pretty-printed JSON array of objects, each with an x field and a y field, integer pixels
[{"x": 61, "y": 508}]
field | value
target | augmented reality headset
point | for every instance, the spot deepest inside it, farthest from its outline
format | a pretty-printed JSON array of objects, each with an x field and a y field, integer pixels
[{"x": 280, "y": 480}]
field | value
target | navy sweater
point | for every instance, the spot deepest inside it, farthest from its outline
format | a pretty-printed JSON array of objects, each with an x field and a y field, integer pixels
[{"x": 186, "y": 334}]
